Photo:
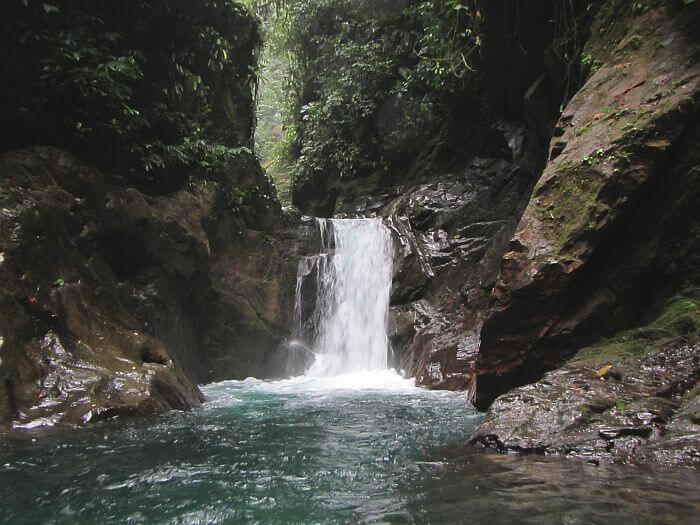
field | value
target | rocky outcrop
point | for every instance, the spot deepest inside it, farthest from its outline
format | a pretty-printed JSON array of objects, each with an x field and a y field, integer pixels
[
  {"x": 594, "y": 315},
  {"x": 496, "y": 283},
  {"x": 170, "y": 265},
  {"x": 450, "y": 169},
  {"x": 612, "y": 225},
  {"x": 450, "y": 230},
  {"x": 632, "y": 398},
  {"x": 117, "y": 302},
  {"x": 450, "y": 234}
]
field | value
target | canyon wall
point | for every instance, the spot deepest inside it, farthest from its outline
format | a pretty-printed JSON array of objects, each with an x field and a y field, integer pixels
[
  {"x": 143, "y": 258},
  {"x": 555, "y": 238}
]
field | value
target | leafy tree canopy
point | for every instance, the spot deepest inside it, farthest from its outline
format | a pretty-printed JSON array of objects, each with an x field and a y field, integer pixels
[{"x": 159, "y": 87}]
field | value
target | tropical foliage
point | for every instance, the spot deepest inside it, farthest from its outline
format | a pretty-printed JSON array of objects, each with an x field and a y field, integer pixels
[
  {"x": 371, "y": 82},
  {"x": 162, "y": 87}
]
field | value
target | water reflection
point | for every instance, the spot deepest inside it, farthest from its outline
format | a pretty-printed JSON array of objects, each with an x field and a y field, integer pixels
[
  {"x": 493, "y": 489},
  {"x": 372, "y": 449}
]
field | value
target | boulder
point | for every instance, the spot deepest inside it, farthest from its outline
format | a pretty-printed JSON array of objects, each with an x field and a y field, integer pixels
[
  {"x": 115, "y": 302},
  {"x": 631, "y": 398},
  {"x": 611, "y": 229}
]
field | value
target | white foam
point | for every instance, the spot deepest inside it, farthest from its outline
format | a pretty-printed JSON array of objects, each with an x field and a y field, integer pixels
[
  {"x": 353, "y": 281},
  {"x": 36, "y": 423},
  {"x": 374, "y": 380}
]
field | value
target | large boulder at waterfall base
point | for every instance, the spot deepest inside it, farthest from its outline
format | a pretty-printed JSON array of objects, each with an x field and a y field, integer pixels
[{"x": 116, "y": 302}]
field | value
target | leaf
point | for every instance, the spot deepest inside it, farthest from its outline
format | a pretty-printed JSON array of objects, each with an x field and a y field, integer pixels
[
  {"x": 126, "y": 66},
  {"x": 48, "y": 8},
  {"x": 604, "y": 370},
  {"x": 58, "y": 282}
]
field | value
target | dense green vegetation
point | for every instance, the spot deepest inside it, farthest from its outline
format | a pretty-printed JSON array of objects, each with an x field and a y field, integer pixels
[
  {"x": 372, "y": 85},
  {"x": 270, "y": 138},
  {"x": 373, "y": 82},
  {"x": 347, "y": 88},
  {"x": 163, "y": 88},
  {"x": 272, "y": 94}
]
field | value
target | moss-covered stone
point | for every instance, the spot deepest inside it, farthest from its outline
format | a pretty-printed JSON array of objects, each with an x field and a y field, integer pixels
[
  {"x": 115, "y": 302},
  {"x": 679, "y": 322},
  {"x": 613, "y": 206},
  {"x": 631, "y": 397}
]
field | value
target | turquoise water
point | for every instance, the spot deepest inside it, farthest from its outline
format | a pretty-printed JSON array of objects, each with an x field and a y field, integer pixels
[{"x": 367, "y": 448}]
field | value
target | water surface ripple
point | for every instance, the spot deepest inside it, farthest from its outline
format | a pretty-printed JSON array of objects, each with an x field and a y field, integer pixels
[{"x": 364, "y": 447}]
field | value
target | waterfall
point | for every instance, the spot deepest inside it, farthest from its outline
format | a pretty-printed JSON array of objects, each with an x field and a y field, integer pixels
[{"x": 352, "y": 284}]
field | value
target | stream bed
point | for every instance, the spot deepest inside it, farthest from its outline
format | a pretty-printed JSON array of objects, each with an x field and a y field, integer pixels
[{"x": 359, "y": 448}]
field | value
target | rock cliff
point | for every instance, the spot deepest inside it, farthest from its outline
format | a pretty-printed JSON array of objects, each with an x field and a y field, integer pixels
[
  {"x": 118, "y": 302},
  {"x": 546, "y": 260},
  {"x": 451, "y": 186},
  {"x": 166, "y": 260},
  {"x": 611, "y": 222},
  {"x": 450, "y": 233},
  {"x": 608, "y": 242},
  {"x": 559, "y": 245}
]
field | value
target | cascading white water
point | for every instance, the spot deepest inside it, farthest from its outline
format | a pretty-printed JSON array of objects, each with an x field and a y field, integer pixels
[{"x": 353, "y": 281}]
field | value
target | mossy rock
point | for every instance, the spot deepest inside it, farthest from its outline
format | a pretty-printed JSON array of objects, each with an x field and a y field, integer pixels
[{"x": 678, "y": 321}]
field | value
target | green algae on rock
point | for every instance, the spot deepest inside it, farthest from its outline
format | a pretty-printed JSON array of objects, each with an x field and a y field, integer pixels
[
  {"x": 632, "y": 398},
  {"x": 610, "y": 224}
]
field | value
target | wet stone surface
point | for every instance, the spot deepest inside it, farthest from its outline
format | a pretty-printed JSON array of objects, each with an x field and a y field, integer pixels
[{"x": 603, "y": 407}]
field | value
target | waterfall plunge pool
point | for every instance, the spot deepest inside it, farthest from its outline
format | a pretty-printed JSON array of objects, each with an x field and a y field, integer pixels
[
  {"x": 339, "y": 445},
  {"x": 360, "y": 448}
]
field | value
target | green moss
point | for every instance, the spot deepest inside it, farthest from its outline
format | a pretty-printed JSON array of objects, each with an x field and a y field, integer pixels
[
  {"x": 594, "y": 157},
  {"x": 683, "y": 81},
  {"x": 635, "y": 42},
  {"x": 642, "y": 6},
  {"x": 679, "y": 321},
  {"x": 397, "y": 206},
  {"x": 369, "y": 185},
  {"x": 568, "y": 204},
  {"x": 589, "y": 64},
  {"x": 693, "y": 394},
  {"x": 681, "y": 316},
  {"x": 615, "y": 114},
  {"x": 581, "y": 131},
  {"x": 611, "y": 26}
]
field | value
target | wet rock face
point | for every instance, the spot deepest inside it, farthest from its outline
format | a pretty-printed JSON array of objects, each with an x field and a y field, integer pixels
[
  {"x": 612, "y": 224},
  {"x": 450, "y": 231},
  {"x": 449, "y": 236},
  {"x": 631, "y": 399},
  {"x": 115, "y": 302}
]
